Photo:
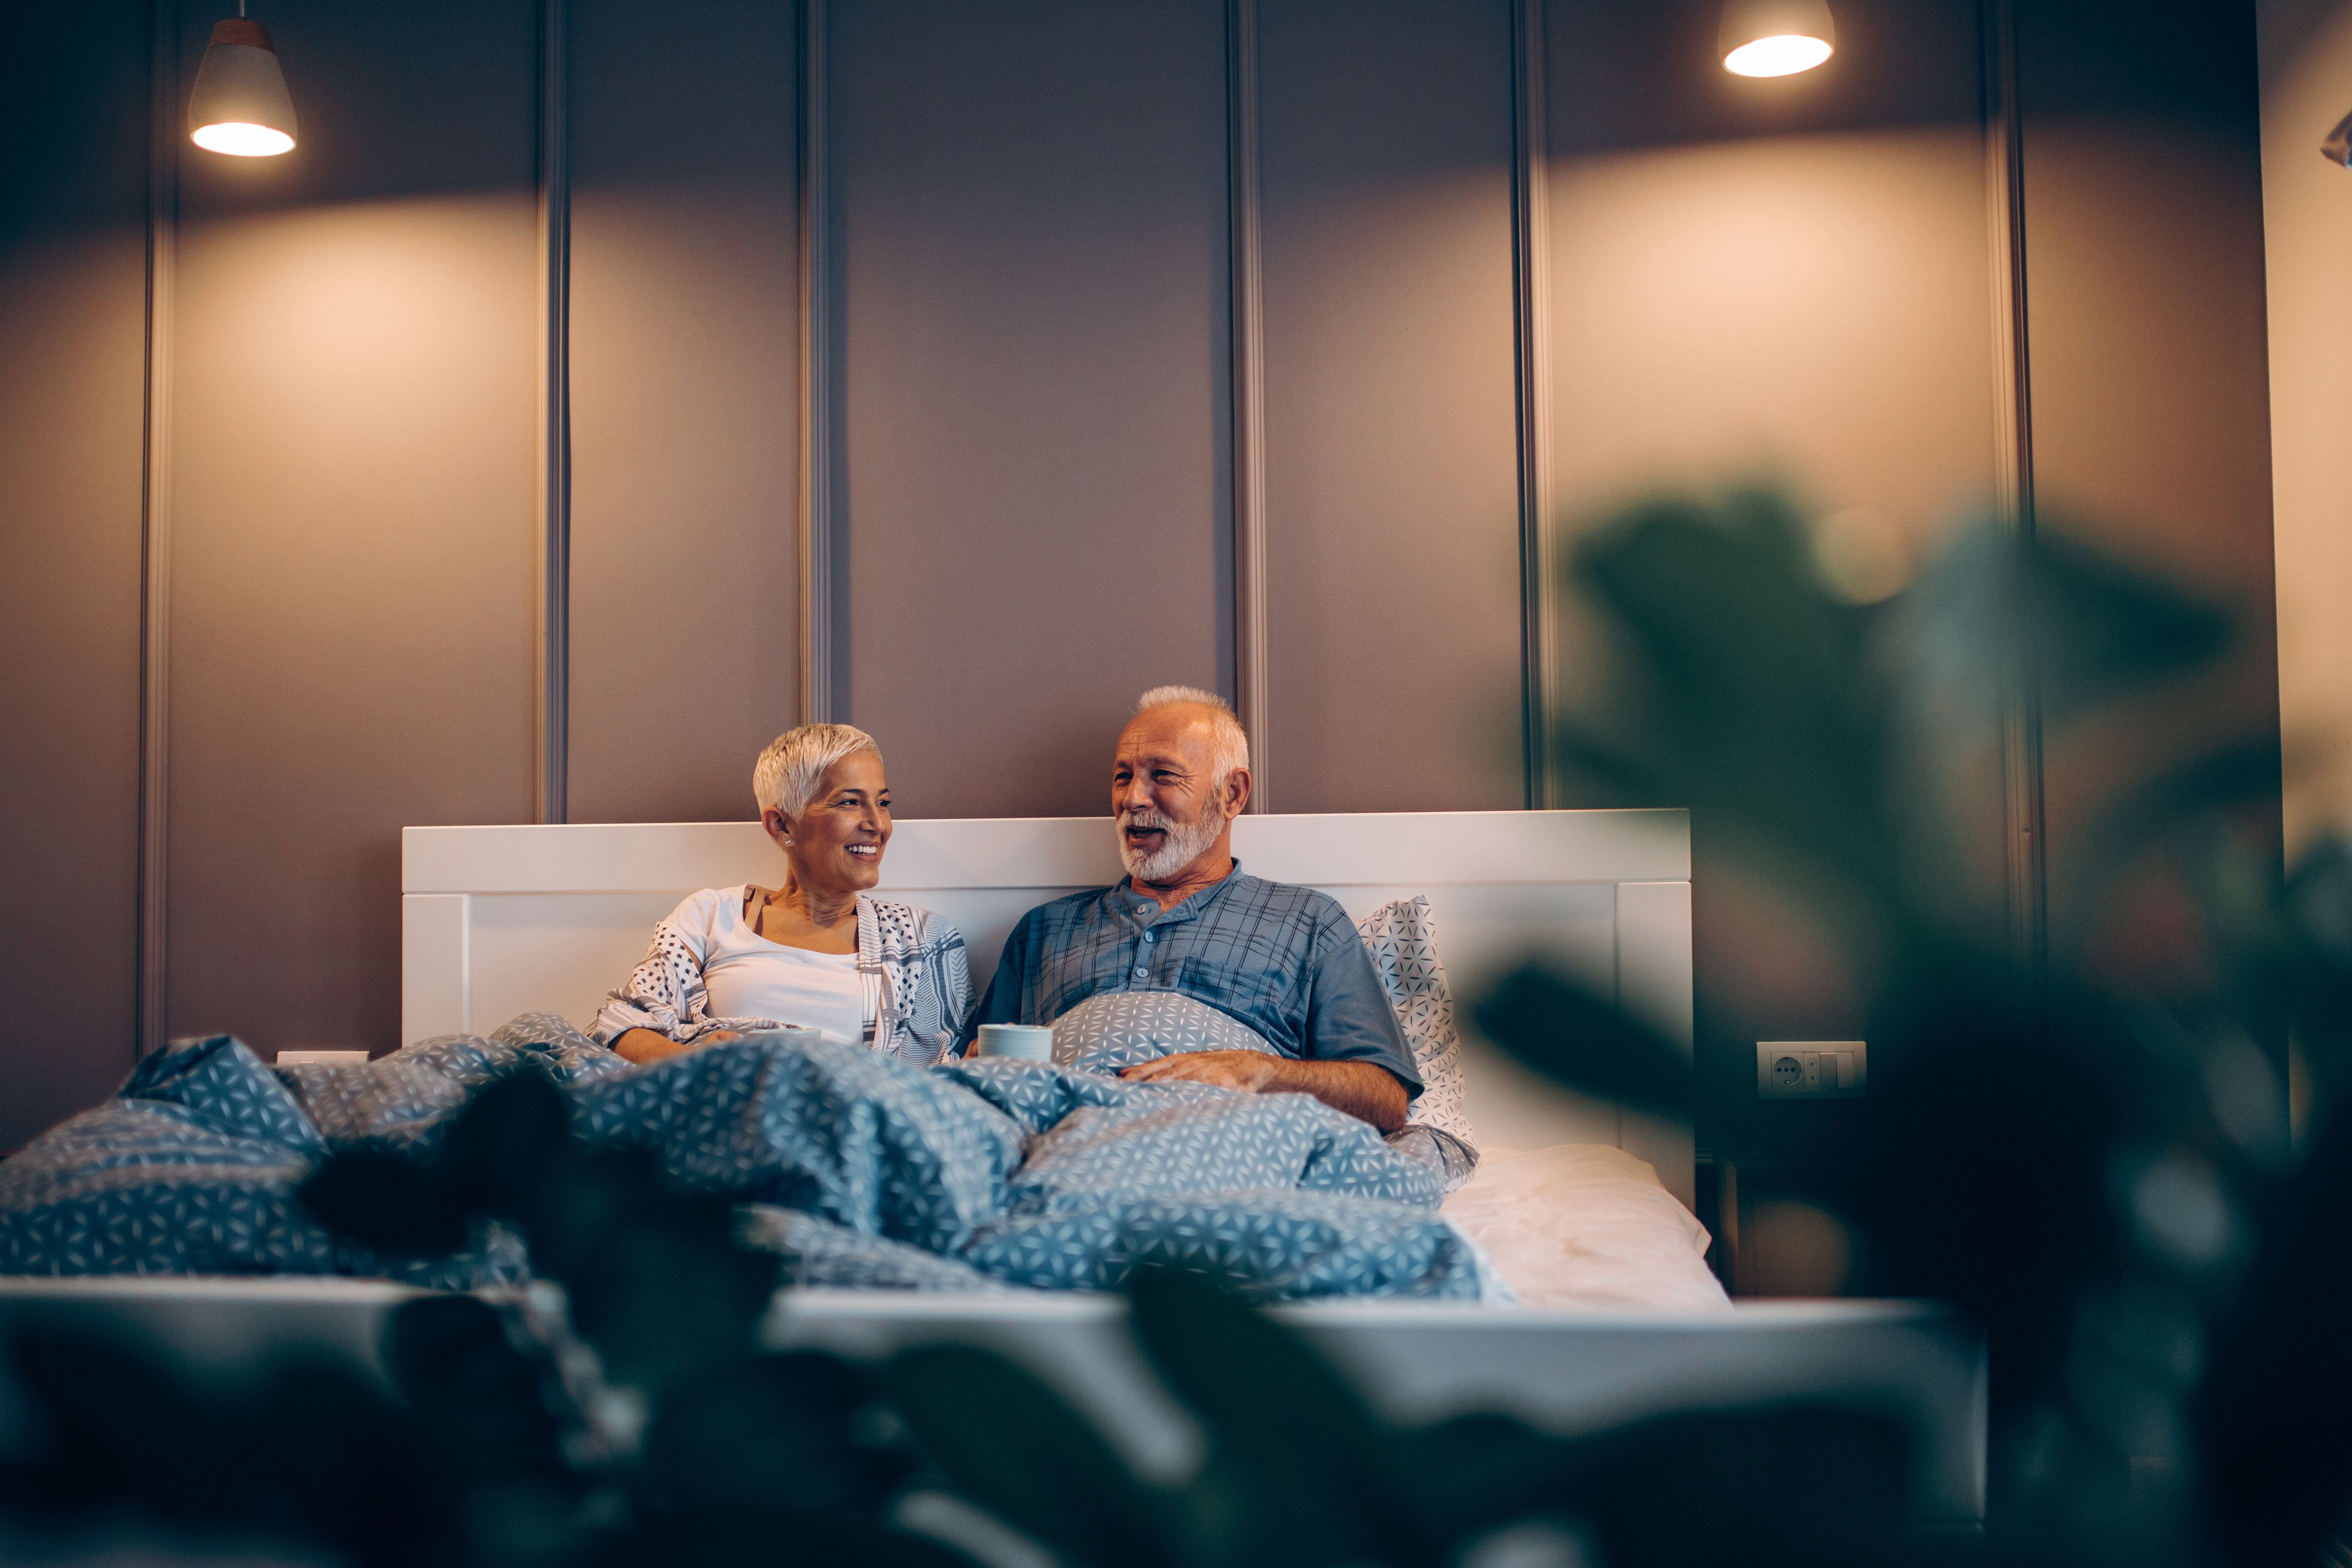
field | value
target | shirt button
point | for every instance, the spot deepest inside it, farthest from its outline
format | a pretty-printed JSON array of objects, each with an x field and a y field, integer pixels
[
  {"x": 1141, "y": 972},
  {"x": 1147, "y": 936}
]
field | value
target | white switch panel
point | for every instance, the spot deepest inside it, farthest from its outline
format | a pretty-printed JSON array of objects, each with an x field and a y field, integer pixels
[{"x": 1812, "y": 1069}]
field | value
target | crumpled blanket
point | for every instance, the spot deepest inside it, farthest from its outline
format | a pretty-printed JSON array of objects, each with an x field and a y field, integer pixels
[{"x": 855, "y": 1168}]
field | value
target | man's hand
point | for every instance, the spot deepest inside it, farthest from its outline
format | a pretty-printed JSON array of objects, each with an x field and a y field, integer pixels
[
  {"x": 1251, "y": 1072},
  {"x": 1367, "y": 1092}
]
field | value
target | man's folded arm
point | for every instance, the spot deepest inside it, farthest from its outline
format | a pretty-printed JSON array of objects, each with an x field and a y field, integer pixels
[
  {"x": 1363, "y": 1090},
  {"x": 1366, "y": 1091},
  {"x": 1350, "y": 1025}
]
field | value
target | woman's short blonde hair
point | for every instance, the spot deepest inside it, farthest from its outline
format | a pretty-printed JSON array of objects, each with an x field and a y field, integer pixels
[{"x": 788, "y": 773}]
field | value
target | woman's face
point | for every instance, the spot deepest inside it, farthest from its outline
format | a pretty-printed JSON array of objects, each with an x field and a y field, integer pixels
[{"x": 836, "y": 845}]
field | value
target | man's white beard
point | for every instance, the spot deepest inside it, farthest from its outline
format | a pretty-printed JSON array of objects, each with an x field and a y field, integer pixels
[{"x": 1183, "y": 845}]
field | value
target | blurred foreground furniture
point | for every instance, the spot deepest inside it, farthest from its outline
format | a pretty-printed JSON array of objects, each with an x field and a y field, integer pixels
[{"x": 1563, "y": 1370}]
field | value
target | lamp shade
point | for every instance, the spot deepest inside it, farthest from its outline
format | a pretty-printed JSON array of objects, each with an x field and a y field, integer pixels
[
  {"x": 1776, "y": 37},
  {"x": 240, "y": 105}
]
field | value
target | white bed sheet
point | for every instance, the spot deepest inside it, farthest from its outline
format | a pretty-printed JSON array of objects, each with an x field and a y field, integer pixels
[{"x": 1586, "y": 1224}]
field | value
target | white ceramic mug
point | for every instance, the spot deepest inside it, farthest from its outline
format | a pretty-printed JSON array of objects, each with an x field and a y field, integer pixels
[{"x": 1023, "y": 1042}]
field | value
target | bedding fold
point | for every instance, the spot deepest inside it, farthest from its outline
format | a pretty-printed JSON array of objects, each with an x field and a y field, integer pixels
[{"x": 855, "y": 1168}]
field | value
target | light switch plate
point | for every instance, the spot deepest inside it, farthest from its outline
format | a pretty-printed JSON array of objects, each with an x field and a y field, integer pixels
[{"x": 1812, "y": 1069}]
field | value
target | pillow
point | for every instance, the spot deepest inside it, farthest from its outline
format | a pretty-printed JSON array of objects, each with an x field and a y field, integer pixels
[
  {"x": 1402, "y": 940},
  {"x": 1583, "y": 1224}
]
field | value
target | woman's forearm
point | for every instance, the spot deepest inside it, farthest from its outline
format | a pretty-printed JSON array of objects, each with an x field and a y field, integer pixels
[{"x": 646, "y": 1046}]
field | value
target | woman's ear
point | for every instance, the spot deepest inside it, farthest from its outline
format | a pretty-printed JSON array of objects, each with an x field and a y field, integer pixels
[{"x": 779, "y": 825}]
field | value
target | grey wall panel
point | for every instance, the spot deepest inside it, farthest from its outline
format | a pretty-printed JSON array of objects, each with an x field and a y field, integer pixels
[
  {"x": 2151, "y": 428},
  {"x": 1392, "y": 457},
  {"x": 72, "y": 272},
  {"x": 2306, "y": 235},
  {"x": 684, "y": 389},
  {"x": 1031, "y": 201},
  {"x": 351, "y": 584}
]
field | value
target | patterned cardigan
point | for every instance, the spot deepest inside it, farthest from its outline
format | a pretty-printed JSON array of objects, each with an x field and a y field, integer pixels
[{"x": 917, "y": 978}]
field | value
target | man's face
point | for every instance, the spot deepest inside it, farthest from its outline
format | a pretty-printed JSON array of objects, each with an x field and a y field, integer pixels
[{"x": 1168, "y": 803}]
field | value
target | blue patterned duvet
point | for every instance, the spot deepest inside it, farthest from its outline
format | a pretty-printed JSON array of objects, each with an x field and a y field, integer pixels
[{"x": 856, "y": 1169}]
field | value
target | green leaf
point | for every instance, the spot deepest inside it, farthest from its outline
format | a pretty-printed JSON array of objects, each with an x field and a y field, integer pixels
[
  {"x": 778, "y": 1432},
  {"x": 479, "y": 1397},
  {"x": 1319, "y": 1485},
  {"x": 727, "y": 1537},
  {"x": 386, "y": 1201},
  {"x": 1564, "y": 1031},
  {"x": 1474, "y": 1473},
  {"x": 1744, "y": 693},
  {"x": 511, "y": 1147},
  {"x": 1792, "y": 1487},
  {"x": 1016, "y": 1448}
]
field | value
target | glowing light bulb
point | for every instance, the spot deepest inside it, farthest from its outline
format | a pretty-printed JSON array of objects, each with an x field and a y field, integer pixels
[
  {"x": 1785, "y": 54},
  {"x": 1775, "y": 37},
  {"x": 242, "y": 141}
]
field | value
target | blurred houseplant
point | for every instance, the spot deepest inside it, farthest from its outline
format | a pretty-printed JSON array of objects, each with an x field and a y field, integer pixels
[{"x": 2132, "y": 1221}]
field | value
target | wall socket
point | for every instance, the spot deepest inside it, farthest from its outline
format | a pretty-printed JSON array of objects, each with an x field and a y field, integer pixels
[{"x": 1812, "y": 1069}]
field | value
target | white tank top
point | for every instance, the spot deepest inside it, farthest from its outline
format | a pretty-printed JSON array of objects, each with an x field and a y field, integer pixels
[{"x": 747, "y": 976}]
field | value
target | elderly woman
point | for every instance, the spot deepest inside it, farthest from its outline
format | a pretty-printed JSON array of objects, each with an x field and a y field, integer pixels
[{"x": 820, "y": 952}]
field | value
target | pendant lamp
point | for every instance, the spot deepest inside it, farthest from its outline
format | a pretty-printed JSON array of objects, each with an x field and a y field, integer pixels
[
  {"x": 1776, "y": 37},
  {"x": 239, "y": 105}
]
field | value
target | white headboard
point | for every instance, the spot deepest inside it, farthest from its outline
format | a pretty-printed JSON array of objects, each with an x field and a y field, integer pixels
[{"x": 500, "y": 920}]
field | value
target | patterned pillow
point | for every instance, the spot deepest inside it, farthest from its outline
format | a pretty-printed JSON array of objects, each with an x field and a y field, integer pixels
[
  {"x": 1114, "y": 1029},
  {"x": 1402, "y": 939}
]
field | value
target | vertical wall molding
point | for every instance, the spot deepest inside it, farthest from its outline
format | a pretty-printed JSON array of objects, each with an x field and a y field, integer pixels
[
  {"x": 1531, "y": 268},
  {"x": 2026, "y": 858},
  {"x": 149, "y": 1025},
  {"x": 1246, "y": 299},
  {"x": 815, "y": 519},
  {"x": 552, "y": 650}
]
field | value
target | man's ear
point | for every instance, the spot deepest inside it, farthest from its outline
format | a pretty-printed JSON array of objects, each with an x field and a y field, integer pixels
[{"x": 1237, "y": 791}]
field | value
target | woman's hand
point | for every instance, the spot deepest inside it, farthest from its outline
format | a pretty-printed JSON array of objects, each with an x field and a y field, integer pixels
[{"x": 651, "y": 1046}]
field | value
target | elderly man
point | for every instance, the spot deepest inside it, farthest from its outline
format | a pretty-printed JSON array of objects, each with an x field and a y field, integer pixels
[{"x": 1186, "y": 918}]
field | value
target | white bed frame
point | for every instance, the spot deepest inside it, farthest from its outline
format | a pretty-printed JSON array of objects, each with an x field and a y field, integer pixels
[{"x": 500, "y": 920}]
